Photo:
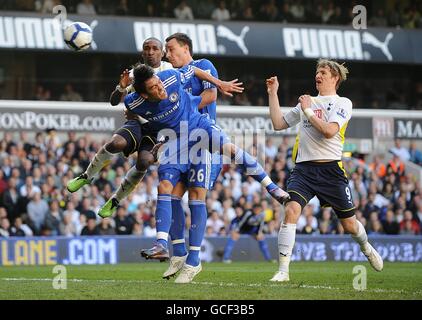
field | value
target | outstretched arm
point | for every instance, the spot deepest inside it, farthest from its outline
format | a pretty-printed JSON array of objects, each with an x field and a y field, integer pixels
[
  {"x": 225, "y": 87},
  {"x": 276, "y": 114}
]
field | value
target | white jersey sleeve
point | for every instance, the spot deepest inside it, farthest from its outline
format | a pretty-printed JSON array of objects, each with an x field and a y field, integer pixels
[
  {"x": 342, "y": 112},
  {"x": 292, "y": 117}
]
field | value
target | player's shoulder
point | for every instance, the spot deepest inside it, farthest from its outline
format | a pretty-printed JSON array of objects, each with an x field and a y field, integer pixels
[
  {"x": 165, "y": 74},
  {"x": 345, "y": 102},
  {"x": 166, "y": 66},
  {"x": 204, "y": 64},
  {"x": 133, "y": 98}
]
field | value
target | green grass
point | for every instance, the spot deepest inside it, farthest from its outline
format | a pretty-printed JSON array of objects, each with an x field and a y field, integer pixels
[{"x": 238, "y": 281}]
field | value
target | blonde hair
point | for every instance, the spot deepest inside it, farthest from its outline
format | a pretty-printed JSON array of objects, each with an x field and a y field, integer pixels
[{"x": 336, "y": 69}]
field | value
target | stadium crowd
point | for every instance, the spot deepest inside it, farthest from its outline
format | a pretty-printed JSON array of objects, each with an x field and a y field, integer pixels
[
  {"x": 34, "y": 201},
  {"x": 405, "y": 14}
]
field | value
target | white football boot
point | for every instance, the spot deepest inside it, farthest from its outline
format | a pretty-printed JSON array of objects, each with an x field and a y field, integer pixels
[
  {"x": 187, "y": 273},
  {"x": 280, "y": 276},
  {"x": 373, "y": 257},
  {"x": 176, "y": 264}
]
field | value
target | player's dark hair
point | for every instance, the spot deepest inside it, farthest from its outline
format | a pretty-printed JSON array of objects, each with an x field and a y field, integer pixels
[
  {"x": 141, "y": 73},
  {"x": 182, "y": 39}
]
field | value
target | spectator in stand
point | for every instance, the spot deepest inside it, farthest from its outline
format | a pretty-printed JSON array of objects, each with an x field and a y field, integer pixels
[
  {"x": 165, "y": 9},
  {"x": 285, "y": 15},
  {"x": 46, "y": 6},
  {"x": 123, "y": 222},
  {"x": 41, "y": 93},
  {"x": 415, "y": 154},
  {"x": 37, "y": 211},
  {"x": 86, "y": 7},
  {"x": 149, "y": 229},
  {"x": 122, "y": 8},
  {"x": 400, "y": 151},
  {"x": 215, "y": 223},
  {"x": 309, "y": 227},
  {"x": 204, "y": 9},
  {"x": 379, "y": 19},
  {"x": 409, "y": 225},
  {"x": 337, "y": 18},
  {"x": 221, "y": 13},
  {"x": 396, "y": 167},
  {"x": 327, "y": 12},
  {"x": 67, "y": 227},
  {"x": 16, "y": 230},
  {"x": 183, "y": 11},
  {"x": 269, "y": 11},
  {"x": 378, "y": 166},
  {"x": 297, "y": 10},
  {"x": 91, "y": 228},
  {"x": 390, "y": 225},
  {"x": 70, "y": 94},
  {"x": 4, "y": 227},
  {"x": 53, "y": 218}
]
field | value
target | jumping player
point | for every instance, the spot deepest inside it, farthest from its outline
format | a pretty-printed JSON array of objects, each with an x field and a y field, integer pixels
[
  {"x": 163, "y": 102},
  {"x": 134, "y": 136}
]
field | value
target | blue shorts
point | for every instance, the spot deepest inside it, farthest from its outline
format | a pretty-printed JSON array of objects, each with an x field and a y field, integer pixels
[
  {"x": 198, "y": 169},
  {"x": 327, "y": 181},
  {"x": 205, "y": 168},
  {"x": 172, "y": 172}
]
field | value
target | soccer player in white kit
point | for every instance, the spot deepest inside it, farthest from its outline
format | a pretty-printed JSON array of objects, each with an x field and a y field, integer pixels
[{"x": 317, "y": 153}]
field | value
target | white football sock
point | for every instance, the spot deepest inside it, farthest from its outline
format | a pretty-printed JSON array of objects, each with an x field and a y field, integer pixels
[
  {"x": 131, "y": 180},
  {"x": 286, "y": 242},
  {"x": 101, "y": 159},
  {"x": 362, "y": 238}
]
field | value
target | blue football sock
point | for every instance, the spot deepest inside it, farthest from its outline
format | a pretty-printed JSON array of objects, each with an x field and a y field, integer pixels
[
  {"x": 264, "y": 249},
  {"x": 254, "y": 169},
  {"x": 163, "y": 218},
  {"x": 177, "y": 229},
  {"x": 197, "y": 230},
  {"x": 228, "y": 249}
]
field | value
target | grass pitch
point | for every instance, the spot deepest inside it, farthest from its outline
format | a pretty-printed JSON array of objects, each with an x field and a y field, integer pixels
[{"x": 236, "y": 281}]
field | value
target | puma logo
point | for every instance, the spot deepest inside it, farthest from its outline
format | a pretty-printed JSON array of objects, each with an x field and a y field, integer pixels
[
  {"x": 370, "y": 39},
  {"x": 224, "y": 32}
]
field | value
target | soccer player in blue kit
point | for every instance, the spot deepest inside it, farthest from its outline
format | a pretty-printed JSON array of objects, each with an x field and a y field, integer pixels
[
  {"x": 179, "y": 53},
  {"x": 162, "y": 101}
]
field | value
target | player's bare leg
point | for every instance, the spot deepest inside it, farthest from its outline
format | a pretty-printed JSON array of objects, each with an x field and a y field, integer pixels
[
  {"x": 101, "y": 159},
  {"x": 286, "y": 240},
  {"x": 355, "y": 228}
]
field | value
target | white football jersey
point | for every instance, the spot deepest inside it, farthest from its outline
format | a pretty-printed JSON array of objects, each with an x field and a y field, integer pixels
[{"x": 310, "y": 144}]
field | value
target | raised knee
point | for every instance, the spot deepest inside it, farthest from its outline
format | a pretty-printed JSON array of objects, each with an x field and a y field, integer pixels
[
  {"x": 117, "y": 144},
  {"x": 145, "y": 159}
]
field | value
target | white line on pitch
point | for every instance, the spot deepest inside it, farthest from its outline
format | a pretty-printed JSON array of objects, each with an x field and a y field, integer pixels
[{"x": 220, "y": 284}]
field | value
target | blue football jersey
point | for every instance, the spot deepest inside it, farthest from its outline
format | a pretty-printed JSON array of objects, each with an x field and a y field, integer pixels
[
  {"x": 196, "y": 86},
  {"x": 168, "y": 113}
]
